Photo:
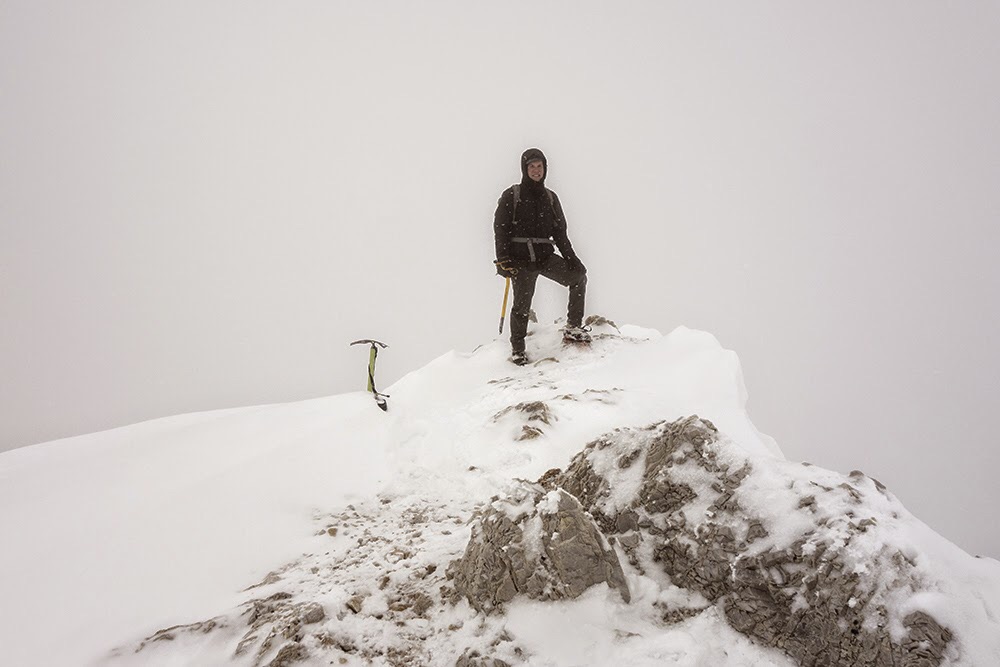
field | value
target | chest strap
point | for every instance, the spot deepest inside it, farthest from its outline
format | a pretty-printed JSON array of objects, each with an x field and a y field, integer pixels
[{"x": 531, "y": 244}]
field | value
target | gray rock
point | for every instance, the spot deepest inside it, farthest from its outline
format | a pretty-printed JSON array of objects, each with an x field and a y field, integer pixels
[
  {"x": 277, "y": 618},
  {"x": 289, "y": 654},
  {"x": 171, "y": 633},
  {"x": 804, "y": 597},
  {"x": 355, "y": 603},
  {"x": 535, "y": 543},
  {"x": 272, "y": 622},
  {"x": 474, "y": 659},
  {"x": 599, "y": 320}
]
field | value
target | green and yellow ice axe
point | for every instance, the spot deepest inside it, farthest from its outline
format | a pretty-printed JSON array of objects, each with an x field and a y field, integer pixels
[{"x": 379, "y": 398}]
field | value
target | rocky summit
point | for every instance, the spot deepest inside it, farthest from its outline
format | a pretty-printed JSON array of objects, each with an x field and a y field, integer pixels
[{"x": 598, "y": 507}]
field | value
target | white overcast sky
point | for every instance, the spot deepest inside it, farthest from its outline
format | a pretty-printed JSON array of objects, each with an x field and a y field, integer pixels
[{"x": 203, "y": 203}]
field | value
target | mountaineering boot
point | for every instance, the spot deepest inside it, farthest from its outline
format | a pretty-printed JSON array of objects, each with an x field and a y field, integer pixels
[
  {"x": 577, "y": 335},
  {"x": 518, "y": 358}
]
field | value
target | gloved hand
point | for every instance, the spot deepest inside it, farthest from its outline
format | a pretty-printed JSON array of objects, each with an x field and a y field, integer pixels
[{"x": 505, "y": 268}]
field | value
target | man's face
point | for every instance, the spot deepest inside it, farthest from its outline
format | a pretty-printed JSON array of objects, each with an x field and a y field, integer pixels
[{"x": 536, "y": 170}]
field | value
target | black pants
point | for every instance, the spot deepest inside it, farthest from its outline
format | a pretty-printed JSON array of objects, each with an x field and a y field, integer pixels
[{"x": 554, "y": 268}]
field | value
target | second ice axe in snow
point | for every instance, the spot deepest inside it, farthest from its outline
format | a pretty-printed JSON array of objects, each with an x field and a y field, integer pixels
[{"x": 373, "y": 353}]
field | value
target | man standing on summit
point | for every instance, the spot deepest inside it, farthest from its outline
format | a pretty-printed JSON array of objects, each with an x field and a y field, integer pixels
[{"x": 528, "y": 222}]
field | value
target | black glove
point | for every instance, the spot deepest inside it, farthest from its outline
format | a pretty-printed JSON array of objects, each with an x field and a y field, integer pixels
[{"x": 505, "y": 268}]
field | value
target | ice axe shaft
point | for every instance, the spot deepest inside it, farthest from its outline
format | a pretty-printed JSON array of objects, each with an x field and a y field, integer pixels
[
  {"x": 503, "y": 308},
  {"x": 372, "y": 355},
  {"x": 371, "y": 368}
]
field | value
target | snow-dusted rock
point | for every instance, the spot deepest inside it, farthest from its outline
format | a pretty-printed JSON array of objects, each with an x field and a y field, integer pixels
[
  {"x": 802, "y": 560},
  {"x": 274, "y": 630},
  {"x": 474, "y": 659},
  {"x": 535, "y": 543}
]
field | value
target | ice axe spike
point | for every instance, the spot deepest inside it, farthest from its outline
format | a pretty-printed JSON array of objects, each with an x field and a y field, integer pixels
[{"x": 373, "y": 353}]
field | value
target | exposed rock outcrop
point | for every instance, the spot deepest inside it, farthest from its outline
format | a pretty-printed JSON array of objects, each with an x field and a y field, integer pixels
[
  {"x": 274, "y": 635},
  {"x": 827, "y": 590},
  {"x": 535, "y": 543},
  {"x": 274, "y": 621}
]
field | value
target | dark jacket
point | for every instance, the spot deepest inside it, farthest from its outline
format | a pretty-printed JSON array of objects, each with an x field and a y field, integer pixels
[{"x": 537, "y": 216}]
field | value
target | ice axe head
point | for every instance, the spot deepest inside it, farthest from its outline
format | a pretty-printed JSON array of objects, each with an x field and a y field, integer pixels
[{"x": 372, "y": 342}]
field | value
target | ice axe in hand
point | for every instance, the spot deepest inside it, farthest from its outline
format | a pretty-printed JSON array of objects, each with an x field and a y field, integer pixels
[
  {"x": 379, "y": 398},
  {"x": 503, "y": 308},
  {"x": 505, "y": 270}
]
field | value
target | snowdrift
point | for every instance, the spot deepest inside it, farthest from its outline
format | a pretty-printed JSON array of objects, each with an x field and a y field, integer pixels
[{"x": 329, "y": 531}]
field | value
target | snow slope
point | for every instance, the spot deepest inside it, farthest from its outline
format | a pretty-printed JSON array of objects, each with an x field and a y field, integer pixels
[{"x": 112, "y": 536}]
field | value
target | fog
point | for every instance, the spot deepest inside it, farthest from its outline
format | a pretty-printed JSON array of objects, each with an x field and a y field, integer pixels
[{"x": 202, "y": 204}]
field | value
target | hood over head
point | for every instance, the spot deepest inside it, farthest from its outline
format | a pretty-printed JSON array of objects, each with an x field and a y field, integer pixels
[{"x": 531, "y": 155}]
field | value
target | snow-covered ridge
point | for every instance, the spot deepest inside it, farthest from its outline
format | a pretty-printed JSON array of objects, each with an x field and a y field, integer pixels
[{"x": 333, "y": 503}]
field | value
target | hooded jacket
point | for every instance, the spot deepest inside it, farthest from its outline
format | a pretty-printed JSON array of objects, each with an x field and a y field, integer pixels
[{"x": 536, "y": 217}]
